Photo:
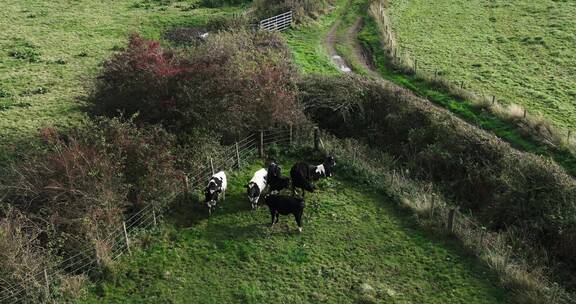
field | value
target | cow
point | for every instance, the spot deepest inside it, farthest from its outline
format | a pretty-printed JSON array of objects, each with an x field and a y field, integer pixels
[
  {"x": 285, "y": 205},
  {"x": 276, "y": 182},
  {"x": 256, "y": 187},
  {"x": 303, "y": 174},
  {"x": 216, "y": 186}
]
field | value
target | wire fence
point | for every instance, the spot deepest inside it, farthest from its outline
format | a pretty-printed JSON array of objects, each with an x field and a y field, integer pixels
[
  {"x": 505, "y": 252},
  {"x": 117, "y": 243}
]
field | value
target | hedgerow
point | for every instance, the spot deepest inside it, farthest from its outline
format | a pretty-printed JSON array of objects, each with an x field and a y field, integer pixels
[{"x": 501, "y": 185}]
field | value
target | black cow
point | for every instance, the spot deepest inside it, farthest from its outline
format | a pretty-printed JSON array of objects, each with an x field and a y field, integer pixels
[
  {"x": 276, "y": 182},
  {"x": 303, "y": 174},
  {"x": 285, "y": 205}
]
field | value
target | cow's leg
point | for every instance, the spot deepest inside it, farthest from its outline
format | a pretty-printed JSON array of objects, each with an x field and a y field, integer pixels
[
  {"x": 277, "y": 216},
  {"x": 273, "y": 215},
  {"x": 298, "y": 217}
]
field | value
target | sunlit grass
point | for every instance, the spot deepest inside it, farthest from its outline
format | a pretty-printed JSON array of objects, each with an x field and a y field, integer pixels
[
  {"x": 355, "y": 247},
  {"x": 50, "y": 51}
]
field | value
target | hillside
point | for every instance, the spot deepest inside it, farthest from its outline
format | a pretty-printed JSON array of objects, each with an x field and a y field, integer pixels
[
  {"x": 356, "y": 246},
  {"x": 521, "y": 51},
  {"x": 114, "y": 115},
  {"x": 51, "y": 48}
]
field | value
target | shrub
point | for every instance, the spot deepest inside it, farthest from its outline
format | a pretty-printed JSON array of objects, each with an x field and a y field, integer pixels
[
  {"x": 185, "y": 35},
  {"x": 302, "y": 9},
  {"x": 504, "y": 187},
  {"x": 77, "y": 190},
  {"x": 232, "y": 84},
  {"x": 22, "y": 257},
  {"x": 220, "y": 3}
]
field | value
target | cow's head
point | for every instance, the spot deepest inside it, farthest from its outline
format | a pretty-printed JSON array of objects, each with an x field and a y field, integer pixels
[
  {"x": 253, "y": 192},
  {"x": 329, "y": 164},
  {"x": 274, "y": 170},
  {"x": 211, "y": 193}
]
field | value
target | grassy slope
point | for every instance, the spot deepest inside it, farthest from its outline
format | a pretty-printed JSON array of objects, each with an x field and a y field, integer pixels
[
  {"x": 370, "y": 39},
  {"x": 307, "y": 43},
  {"x": 352, "y": 236},
  {"x": 521, "y": 51},
  {"x": 70, "y": 39}
]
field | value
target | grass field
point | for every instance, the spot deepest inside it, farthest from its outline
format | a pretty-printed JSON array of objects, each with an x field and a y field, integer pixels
[
  {"x": 356, "y": 247},
  {"x": 51, "y": 50},
  {"x": 522, "y": 51}
]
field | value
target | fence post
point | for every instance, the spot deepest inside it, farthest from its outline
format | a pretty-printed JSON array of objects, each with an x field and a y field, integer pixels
[
  {"x": 212, "y": 166},
  {"x": 154, "y": 216},
  {"x": 47, "y": 283},
  {"x": 261, "y": 147},
  {"x": 433, "y": 205},
  {"x": 568, "y": 137},
  {"x": 524, "y": 113},
  {"x": 238, "y": 155},
  {"x": 186, "y": 183},
  {"x": 462, "y": 85},
  {"x": 493, "y": 99},
  {"x": 291, "y": 139},
  {"x": 451, "y": 219},
  {"x": 126, "y": 238},
  {"x": 482, "y": 236},
  {"x": 316, "y": 138}
]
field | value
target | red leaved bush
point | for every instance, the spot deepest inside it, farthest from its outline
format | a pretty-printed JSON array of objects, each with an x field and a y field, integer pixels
[{"x": 232, "y": 84}]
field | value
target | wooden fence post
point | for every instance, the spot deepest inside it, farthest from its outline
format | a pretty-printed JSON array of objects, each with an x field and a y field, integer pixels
[
  {"x": 186, "y": 183},
  {"x": 212, "y": 166},
  {"x": 482, "y": 236},
  {"x": 126, "y": 238},
  {"x": 316, "y": 138},
  {"x": 291, "y": 138},
  {"x": 261, "y": 146},
  {"x": 432, "y": 205},
  {"x": 47, "y": 283},
  {"x": 462, "y": 85},
  {"x": 154, "y": 216},
  {"x": 493, "y": 99},
  {"x": 451, "y": 219},
  {"x": 524, "y": 113},
  {"x": 237, "y": 155}
]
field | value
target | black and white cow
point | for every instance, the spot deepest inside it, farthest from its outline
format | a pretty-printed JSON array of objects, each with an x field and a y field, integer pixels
[
  {"x": 276, "y": 182},
  {"x": 256, "y": 186},
  {"x": 285, "y": 205},
  {"x": 216, "y": 186},
  {"x": 303, "y": 174}
]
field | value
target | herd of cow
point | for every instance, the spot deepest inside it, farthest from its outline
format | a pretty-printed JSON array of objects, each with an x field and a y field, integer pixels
[{"x": 268, "y": 183}]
